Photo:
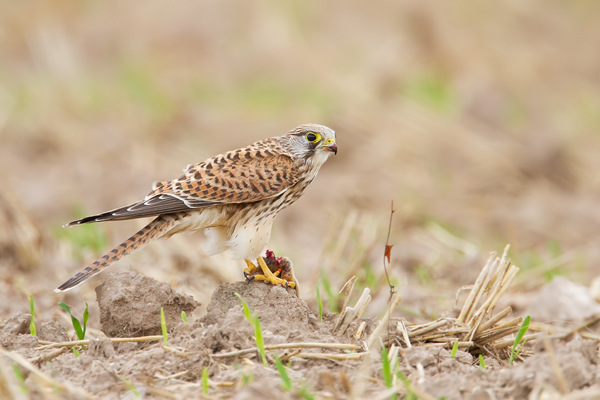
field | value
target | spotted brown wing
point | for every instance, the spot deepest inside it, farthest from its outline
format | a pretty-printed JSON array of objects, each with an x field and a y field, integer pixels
[{"x": 240, "y": 176}]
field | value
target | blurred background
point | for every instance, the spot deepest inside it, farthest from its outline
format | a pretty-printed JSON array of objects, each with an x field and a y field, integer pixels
[{"x": 480, "y": 121}]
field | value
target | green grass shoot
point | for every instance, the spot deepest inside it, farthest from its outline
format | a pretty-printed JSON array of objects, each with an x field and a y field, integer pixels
[
  {"x": 454, "y": 349},
  {"x": 76, "y": 352},
  {"x": 303, "y": 393},
  {"x": 32, "y": 311},
  {"x": 184, "y": 317},
  {"x": 246, "y": 378},
  {"x": 386, "y": 369},
  {"x": 319, "y": 301},
  {"x": 482, "y": 362},
  {"x": 205, "y": 381},
  {"x": 258, "y": 337},
  {"x": 286, "y": 382},
  {"x": 130, "y": 386},
  {"x": 519, "y": 342},
  {"x": 407, "y": 384},
  {"x": 331, "y": 295},
  {"x": 163, "y": 325},
  {"x": 20, "y": 378},
  {"x": 79, "y": 330}
]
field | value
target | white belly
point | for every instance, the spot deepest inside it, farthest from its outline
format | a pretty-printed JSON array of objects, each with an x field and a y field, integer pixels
[{"x": 248, "y": 241}]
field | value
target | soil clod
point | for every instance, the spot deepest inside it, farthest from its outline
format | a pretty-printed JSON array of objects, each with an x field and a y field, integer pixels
[{"x": 130, "y": 305}]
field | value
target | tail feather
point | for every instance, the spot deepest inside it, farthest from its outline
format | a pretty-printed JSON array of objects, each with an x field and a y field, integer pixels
[{"x": 155, "y": 229}]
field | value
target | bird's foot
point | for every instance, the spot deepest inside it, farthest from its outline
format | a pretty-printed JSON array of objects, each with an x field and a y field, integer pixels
[
  {"x": 272, "y": 267},
  {"x": 251, "y": 270},
  {"x": 271, "y": 277}
]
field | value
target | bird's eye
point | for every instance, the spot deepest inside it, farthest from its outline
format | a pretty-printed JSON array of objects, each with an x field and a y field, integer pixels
[{"x": 313, "y": 137}]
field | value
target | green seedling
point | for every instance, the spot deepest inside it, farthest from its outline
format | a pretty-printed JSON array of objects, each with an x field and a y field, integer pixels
[
  {"x": 163, "y": 325},
  {"x": 319, "y": 301},
  {"x": 407, "y": 384},
  {"x": 258, "y": 337},
  {"x": 331, "y": 295},
  {"x": 286, "y": 382},
  {"x": 519, "y": 341},
  {"x": 32, "y": 311},
  {"x": 303, "y": 393},
  {"x": 205, "y": 380},
  {"x": 79, "y": 331},
  {"x": 76, "y": 352},
  {"x": 130, "y": 386},
  {"x": 246, "y": 378},
  {"x": 386, "y": 369},
  {"x": 454, "y": 350},
  {"x": 20, "y": 378},
  {"x": 184, "y": 317},
  {"x": 481, "y": 362}
]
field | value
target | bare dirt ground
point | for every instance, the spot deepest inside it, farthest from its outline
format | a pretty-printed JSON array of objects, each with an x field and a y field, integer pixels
[{"x": 480, "y": 123}]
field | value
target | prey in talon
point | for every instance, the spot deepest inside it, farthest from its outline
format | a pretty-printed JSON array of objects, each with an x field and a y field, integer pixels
[
  {"x": 279, "y": 267},
  {"x": 233, "y": 197}
]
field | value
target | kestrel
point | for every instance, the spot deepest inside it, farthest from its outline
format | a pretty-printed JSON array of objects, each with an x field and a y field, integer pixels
[{"x": 234, "y": 197}]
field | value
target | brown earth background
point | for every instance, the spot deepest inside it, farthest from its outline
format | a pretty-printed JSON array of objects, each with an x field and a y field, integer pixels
[{"x": 481, "y": 121}]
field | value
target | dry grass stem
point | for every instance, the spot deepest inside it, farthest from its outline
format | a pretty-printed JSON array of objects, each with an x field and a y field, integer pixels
[
  {"x": 560, "y": 377},
  {"x": 327, "y": 356},
  {"x": 350, "y": 314},
  {"x": 383, "y": 323},
  {"x": 502, "y": 344},
  {"x": 87, "y": 341},
  {"x": 347, "y": 290},
  {"x": 494, "y": 320},
  {"x": 476, "y": 291},
  {"x": 177, "y": 375},
  {"x": 44, "y": 379},
  {"x": 497, "y": 334},
  {"x": 360, "y": 330},
  {"x": 48, "y": 356},
  {"x": 8, "y": 388},
  {"x": 510, "y": 324},
  {"x": 461, "y": 345},
  {"x": 401, "y": 327},
  {"x": 176, "y": 352},
  {"x": 339, "y": 346},
  {"x": 429, "y": 328}
]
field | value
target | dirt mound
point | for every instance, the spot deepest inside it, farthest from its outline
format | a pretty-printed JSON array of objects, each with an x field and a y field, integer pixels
[
  {"x": 283, "y": 316},
  {"x": 130, "y": 305}
]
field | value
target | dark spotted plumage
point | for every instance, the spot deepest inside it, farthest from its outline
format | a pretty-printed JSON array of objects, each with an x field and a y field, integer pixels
[{"x": 234, "y": 197}]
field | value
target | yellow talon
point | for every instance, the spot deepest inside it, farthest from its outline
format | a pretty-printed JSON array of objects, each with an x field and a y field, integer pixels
[
  {"x": 251, "y": 269},
  {"x": 266, "y": 275}
]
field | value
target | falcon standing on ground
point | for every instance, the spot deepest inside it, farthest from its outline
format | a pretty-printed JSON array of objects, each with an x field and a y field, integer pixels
[{"x": 234, "y": 197}]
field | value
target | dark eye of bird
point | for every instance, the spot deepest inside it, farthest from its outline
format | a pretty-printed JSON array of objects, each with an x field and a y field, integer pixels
[{"x": 311, "y": 137}]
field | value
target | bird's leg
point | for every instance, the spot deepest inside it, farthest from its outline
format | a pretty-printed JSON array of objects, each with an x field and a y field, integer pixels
[{"x": 269, "y": 276}]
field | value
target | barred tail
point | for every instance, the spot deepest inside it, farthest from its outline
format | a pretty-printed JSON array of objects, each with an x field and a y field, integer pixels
[{"x": 154, "y": 230}]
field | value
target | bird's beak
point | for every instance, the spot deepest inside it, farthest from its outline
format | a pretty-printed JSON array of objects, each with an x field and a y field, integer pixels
[{"x": 331, "y": 147}]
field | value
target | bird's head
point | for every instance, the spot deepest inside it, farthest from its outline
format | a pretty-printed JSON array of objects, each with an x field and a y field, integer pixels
[{"x": 311, "y": 142}]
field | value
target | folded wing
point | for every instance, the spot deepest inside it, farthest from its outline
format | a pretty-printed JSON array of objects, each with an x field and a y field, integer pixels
[{"x": 239, "y": 176}]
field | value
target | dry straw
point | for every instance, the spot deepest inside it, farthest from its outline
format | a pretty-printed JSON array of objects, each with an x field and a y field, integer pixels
[{"x": 476, "y": 328}]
